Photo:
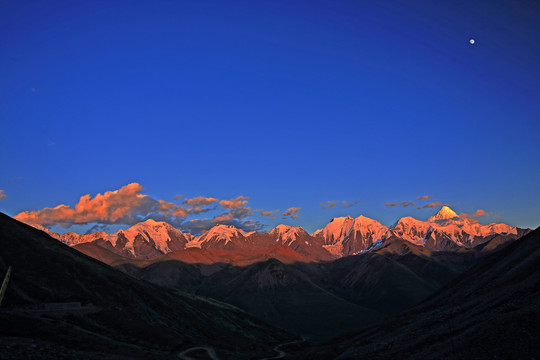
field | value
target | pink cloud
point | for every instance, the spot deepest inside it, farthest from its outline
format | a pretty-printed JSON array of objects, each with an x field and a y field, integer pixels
[{"x": 2, "y": 195}]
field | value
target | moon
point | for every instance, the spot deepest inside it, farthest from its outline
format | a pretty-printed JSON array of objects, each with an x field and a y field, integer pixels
[{"x": 472, "y": 41}]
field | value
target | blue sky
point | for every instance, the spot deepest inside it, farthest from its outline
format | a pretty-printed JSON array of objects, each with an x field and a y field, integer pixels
[{"x": 289, "y": 103}]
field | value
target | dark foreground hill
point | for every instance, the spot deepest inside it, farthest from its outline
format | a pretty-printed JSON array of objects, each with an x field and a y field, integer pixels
[
  {"x": 318, "y": 300},
  {"x": 62, "y": 304},
  {"x": 492, "y": 311}
]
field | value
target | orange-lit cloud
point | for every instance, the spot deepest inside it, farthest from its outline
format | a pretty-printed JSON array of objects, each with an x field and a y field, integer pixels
[
  {"x": 123, "y": 206},
  {"x": 128, "y": 206},
  {"x": 178, "y": 197},
  {"x": 422, "y": 198},
  {"x": 431, "y": 205},
  {"x": 200, "y": 201},
  {"x": 481, "y": 212},
  {"x": 390, "y": 204},
  {"x": 267, "y": 213},
  {"x": 2, "y": 195},
  {"x": 224, "y": 217},
  {"x": 237, "y": 203},
  {"x": 477, "y": 213},
  {"x": 292, "y": 212}
]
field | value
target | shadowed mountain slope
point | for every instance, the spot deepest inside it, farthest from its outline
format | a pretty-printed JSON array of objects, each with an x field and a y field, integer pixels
[
  {"x": 317, "y": 299},
  {"x": 118, "y": 316},
  {"x": 492, "y": 311}
]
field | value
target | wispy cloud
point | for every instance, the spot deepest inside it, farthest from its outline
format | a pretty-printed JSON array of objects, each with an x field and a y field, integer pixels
[
  {"x": 2, "y": 195},
  {"x": 97, "y": 228},
  {"x": 403, "y": 203},
  {"x": 342, "y": 203},
  {"x": 422, "y": 198},
  {"x": 268, "y": 213},
  {"x": 200, "y": 201},
  {"x": 431, "y": 205},
  {"x": 292, "y": 212},
  {"x": 407, "y": 203},
  {"x": 178, "y": 197}
]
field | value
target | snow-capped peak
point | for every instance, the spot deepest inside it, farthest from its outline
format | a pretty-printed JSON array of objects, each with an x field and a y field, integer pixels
[
  {"x": 444, "y": 214},
  {"x": 287, "y": 230},
  {"x": 287, "y": 233},
  {"x": 222, "y": 232}
]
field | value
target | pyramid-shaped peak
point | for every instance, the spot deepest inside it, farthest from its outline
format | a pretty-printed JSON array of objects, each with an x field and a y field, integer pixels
[{"x": 444, "y": 214}]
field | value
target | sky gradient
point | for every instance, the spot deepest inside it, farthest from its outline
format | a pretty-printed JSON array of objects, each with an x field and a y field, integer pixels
[{"x": 288, "y": 103}]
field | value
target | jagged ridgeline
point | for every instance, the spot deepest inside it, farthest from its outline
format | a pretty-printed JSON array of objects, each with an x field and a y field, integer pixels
[{"x": 343, "y": 236}]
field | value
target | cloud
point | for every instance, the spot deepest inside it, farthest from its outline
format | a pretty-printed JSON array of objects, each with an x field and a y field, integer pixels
[
  {"x": 2, "y": 195},
  {"x": 97, "y": 228},
  {"x": 239, "y": 202},
  {"x": 344, "y": 204},
  {"x": 467, "y": 217},
  {"x": 481, "y": 212},
  {"x": 178, "y": 197},
  {"x": 292, "y": 212},
  {"x": 403, "y": 203},
  {"x": 477, "y": 213},
  {"x": 422, "y": 198},
  {"x": 407, "y": 203},
  {"x": 128, "y": 206},
  {"x": 268, "y": 213},
  {"x": 123, "y": 206},
  {"x": 200, "y": 201},
  {"x": 431, "y": 205}
]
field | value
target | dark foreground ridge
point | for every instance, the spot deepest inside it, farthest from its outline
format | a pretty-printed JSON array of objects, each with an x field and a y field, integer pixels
[
  {"x": 61, "y": 304},
  {"x": 492, "y": 311}
]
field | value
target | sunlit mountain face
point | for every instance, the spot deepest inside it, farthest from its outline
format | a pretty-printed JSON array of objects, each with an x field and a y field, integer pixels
[{"x": 343, "y": 236}]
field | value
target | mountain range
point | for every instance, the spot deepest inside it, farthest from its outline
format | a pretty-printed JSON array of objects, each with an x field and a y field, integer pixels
[
  {"x": 343, "y": 236},
  {"x": 407, "y": 293}
]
